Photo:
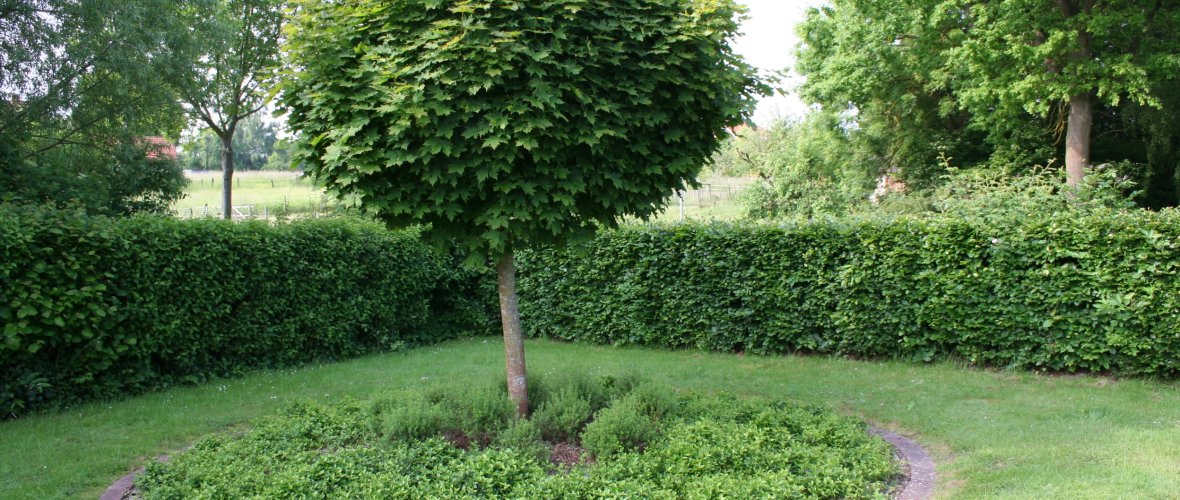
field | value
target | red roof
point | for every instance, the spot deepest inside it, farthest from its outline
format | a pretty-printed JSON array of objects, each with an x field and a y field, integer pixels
[{"x": 159, "y": 147}]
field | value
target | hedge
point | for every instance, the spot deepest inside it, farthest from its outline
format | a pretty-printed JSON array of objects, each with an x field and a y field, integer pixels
[
  {"x": 1093, "y": 293},
  {"x": 95, "y": 308}
]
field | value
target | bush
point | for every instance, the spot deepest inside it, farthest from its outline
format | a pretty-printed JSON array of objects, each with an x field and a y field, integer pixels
[
  {"x": 1094, "y": 291},
  {"x": 596, "y": 391},
  {"x": 412, "y": 416},
  {"x": 477, "y": 411},
  {"x": 97, "y": 308},
  {"x": 563, "y": 415},
  {"x": 621, "y": 428},
  {"x": 525, "y": 437}
]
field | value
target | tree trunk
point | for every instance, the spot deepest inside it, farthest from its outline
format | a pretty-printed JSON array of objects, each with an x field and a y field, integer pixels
[
  {"x": 1077, "y": 138},
  {"x": 513, "y": 340},
  {"x": 227, "y": 176}
]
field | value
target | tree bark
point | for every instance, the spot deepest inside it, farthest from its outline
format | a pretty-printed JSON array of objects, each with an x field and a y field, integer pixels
[
  {"x": 227, "y": 176},
  {"x": 1081, "y": 104},
  {"x": 513, "y": 339},
  {"x": 1077, "y": 138}
]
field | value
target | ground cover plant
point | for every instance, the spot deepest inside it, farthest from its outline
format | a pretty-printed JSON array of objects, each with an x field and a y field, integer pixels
[{"x": 588, "y": 437}]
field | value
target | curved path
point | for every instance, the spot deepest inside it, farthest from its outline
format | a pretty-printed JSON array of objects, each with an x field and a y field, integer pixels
[{"x": 920, "y": 475}]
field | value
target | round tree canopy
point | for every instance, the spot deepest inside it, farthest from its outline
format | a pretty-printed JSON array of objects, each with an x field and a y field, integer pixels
[{"x": 498, "y": 122}]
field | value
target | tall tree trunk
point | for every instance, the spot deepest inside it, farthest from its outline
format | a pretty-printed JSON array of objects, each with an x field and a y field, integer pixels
[
  {"x": 513, "y": 339},
  {"x": 1081, "y": 104},
  {"x": 1077, "y": 138},
  {"x": 227, "y": 175}
]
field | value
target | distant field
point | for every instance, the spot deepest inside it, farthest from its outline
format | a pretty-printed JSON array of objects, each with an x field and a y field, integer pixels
[
  {"x": 717, "y": 199},
  {"x": 270, "y": 192},
  {"x": 254, "y": 192}
]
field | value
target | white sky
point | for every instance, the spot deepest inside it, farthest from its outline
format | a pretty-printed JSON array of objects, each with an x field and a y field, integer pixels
[{"x": 767, "y": 42}]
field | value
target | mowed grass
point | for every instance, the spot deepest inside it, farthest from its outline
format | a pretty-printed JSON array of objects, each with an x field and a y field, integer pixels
[
  {"x": 993, "y": 434},
  {"x": 258, "y": 189}
]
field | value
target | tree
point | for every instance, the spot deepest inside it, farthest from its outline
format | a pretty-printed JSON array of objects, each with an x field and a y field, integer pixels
[
  {"x": 224, "y": 68},
  {"x": 806, "y": 169},
  {"x": 1041, "y": 55},
  {"x": 502, "y": 124},
  {"x": 253, "y": 143},
  {"x": 876, "y": 62},
  {"x": 81, "y": 89},
  {"x": 929, "y": 82}
]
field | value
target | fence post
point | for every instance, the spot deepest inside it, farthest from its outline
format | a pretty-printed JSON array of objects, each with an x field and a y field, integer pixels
[{"x": 680, "y": 196}]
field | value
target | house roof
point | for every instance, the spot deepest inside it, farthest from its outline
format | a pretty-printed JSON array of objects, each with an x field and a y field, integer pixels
[{"x": 160, "y": 148}]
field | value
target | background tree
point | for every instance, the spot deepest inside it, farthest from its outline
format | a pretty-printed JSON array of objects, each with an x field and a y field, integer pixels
[
  {"x": 806, "y": 169},
  {"x": 224, "y": 67},
  {"x": 502, "y": 124},
  {"x": 873, "y": 64},
  {"x": 254, "y": 142},
  {"x": 932, "y": 83},
  {"x": 82, "y": 88},
  {"x": 1045, "y": 55}
]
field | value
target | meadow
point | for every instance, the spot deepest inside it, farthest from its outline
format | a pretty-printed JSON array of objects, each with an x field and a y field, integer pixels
[
  {"x": 265, "y": 193},
  {"x": 256, "y": 193}
]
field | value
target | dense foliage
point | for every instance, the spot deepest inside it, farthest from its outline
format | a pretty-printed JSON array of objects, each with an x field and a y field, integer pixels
[
  {"x": 805, "y": 169},
  {"x": 94, "y": 307},
  {"x": 511, "y": 122},
  {"x": 1092, "y": 291},
  {"x": 468, "y": 443},
  {"x": 928, "y": 83},
  {"x": 80, "y": 90}
]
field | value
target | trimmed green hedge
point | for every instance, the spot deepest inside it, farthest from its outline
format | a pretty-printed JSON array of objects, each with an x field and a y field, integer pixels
[
  {"x": 1096, "y": 293},
  {"x": 93, "y": 307}
]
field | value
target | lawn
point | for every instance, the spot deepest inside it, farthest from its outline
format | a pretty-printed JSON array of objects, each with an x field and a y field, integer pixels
[{"x": 993, "y": 434}]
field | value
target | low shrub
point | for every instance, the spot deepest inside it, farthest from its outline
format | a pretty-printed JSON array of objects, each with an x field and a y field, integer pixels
[
  {"x": 524, "y": 436},
  {"x": 482, "y": 409},
  {"x": 723, "y": 448},
  {"x": 563, "y": 415},
  {"x": 94, "y": 307},
  {"x": 620, "y": 428},
  {"x": 1094, "y": 292},
  {"x": 595, "y": 391},
  {"x": 412, "y": 416}
]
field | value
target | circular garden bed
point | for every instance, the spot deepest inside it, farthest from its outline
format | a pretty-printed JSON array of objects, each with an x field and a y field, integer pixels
[{"x": 588, "y": 437}]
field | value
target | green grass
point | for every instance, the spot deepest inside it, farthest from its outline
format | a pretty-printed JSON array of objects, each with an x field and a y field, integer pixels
[
  {"x": 993, "y": 434},
  {"x": 259, "y": 189},
  {"x": 276, "y": 189},
  {"x": 716, "y": 200}
]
